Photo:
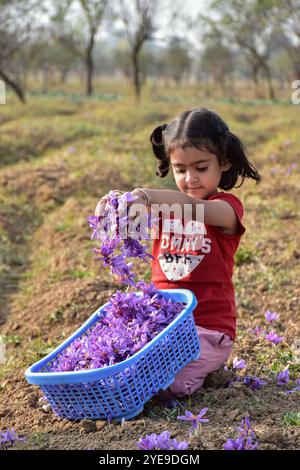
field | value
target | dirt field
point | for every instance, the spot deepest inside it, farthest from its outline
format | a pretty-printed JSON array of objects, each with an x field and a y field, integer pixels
[{"x": 56, "y": 158}]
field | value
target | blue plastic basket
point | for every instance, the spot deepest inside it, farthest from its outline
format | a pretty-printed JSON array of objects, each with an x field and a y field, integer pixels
[{"x": 121, "y": 390}]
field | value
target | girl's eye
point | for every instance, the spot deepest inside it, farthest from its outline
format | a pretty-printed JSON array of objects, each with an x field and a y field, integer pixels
[{"x": 198, "y": 169}]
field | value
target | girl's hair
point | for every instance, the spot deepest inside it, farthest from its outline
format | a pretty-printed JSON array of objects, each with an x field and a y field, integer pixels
[{"x": 205, "y": 130}]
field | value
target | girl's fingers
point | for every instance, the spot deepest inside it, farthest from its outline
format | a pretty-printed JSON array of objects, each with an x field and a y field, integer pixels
[
  {"x": 101, "y": 206},
  {"x": 103, "y": 201}
]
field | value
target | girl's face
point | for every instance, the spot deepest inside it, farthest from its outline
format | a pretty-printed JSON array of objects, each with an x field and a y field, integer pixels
[{"x": 197, "y": 172}]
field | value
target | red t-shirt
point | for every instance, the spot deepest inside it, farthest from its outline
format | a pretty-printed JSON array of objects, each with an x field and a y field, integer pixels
[{"x": 204, "y": 265}]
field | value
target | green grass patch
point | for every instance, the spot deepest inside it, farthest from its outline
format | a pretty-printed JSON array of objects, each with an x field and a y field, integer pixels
[{"x": 292, "y": 418}]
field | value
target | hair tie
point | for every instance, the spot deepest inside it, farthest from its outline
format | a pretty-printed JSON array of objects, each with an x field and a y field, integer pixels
[{"x": 223, "y": 131}]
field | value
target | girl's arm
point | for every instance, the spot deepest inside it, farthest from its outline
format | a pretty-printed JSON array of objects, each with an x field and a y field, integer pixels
[{"x": 218, "y": 213}]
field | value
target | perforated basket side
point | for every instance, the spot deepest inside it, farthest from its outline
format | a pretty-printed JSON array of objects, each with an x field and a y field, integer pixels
[{"x": 127, "y": 391}]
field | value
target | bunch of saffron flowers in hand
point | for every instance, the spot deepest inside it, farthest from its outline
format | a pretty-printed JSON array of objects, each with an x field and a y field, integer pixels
[
  {"x": 111, "y": 228},
  {"x": 130, "y": 322}
]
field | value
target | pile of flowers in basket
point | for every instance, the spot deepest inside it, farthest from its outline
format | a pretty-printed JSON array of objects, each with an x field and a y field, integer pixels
[{"x": 130, "y": 323}]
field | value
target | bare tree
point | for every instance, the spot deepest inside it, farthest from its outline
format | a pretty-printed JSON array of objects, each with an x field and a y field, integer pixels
[
  {"x": 217, "y": 60},
  {"x": 246, "y": 23},
  {"x": 140, "y": 22},
  {"x": 18, "y": 25},
  {"x": 287, "y": 17},
  {"x": 138, "y": 17},
  {"x": 177, "y": 58},
  {"x": 76, "y": 24}
]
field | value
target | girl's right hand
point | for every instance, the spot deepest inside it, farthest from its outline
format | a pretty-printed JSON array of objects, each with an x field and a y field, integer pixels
[
  {"x": 102, "y": 203},
  {"x": 101, "y": 206}
]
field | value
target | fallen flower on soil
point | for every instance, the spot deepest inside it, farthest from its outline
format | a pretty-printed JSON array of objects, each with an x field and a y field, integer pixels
[
  {"x": 283, "y": 377},
  {"x": 9, "y": 439},
  {"x": 257, "y": 331},
  {"x": 245, "y": 439},
  {"x": 274, "y": 338},
  {"x": 254, "y": 382},
  {"x": 161, "y": 442},
  {"x": 271, "y": 316},
  {"x": 238, "y": 363},
  {"x": 295, "y": 389},
  {"x": 195, "y": 420}
]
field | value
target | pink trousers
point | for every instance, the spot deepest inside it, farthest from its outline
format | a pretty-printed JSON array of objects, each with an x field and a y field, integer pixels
[{"x": 215, "y": 350}]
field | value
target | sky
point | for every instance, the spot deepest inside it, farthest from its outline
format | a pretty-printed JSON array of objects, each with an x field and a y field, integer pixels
[{"x": 190, "y": 8}]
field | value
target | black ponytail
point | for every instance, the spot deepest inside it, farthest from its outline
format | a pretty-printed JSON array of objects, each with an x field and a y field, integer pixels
[
  {"x": 235, "y": 153},
  {"x": 158, "y": 146}
]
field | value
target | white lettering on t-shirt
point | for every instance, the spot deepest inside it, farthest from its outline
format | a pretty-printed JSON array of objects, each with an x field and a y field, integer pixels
[{"x": 181, "y": 261}]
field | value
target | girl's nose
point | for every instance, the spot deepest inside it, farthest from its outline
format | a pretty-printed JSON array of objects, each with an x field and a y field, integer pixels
[{"x": 191, "y": 177}]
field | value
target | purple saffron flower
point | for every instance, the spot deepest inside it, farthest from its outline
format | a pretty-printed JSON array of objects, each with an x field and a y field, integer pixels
[
  {"x": 283, "y": 377},
  {"x": 256, "y": 331},
  {"x": 148, "y": 443},
  {"x": 240, "y": 444},
  {"x": 254, "y": 382},
  {"x": 245, "y": 428},
  {"x": 290, "y": 168},
  {"x": 234, "y": 444},
  {"x": 295, "y": 389},
  {"x": 238, "y": 363},
  {"x": 160, "y": 442},
  {"x": 271, "y": 316},
  {"x": 183, "y": 445},
  {"x": 245, "y": 439},
  {"x": 274, "y": 338},
  {"x": 194, "y": 419},
  {"x": 9, "y": 438}
]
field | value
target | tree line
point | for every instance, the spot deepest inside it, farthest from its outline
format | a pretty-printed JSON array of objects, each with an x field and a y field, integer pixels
[{"x": 234, "y": 39}]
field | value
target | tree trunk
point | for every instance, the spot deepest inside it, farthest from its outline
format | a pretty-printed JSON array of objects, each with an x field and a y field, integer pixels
[
  {"x": 255, "y": 70},
  {"x": 16, "y": 88},
  {"x": 90, "y": 65},
  {"x": 294, "y": 53},
  {"x": 269, "y": 79},
  {"x": 45, "y": 78},
  {"x": 63, "y": 75},
  {"x": 136, "y": 73}
]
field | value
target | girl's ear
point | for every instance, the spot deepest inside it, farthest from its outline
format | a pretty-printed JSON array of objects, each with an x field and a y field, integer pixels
[{"x": 226, "y": 165}]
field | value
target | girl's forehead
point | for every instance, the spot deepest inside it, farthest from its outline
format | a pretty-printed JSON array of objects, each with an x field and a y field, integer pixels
[{"x": 190, "y": 155}]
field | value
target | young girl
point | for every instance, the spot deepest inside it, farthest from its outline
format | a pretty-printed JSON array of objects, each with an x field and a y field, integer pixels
[{"x": 204, "y": 155}]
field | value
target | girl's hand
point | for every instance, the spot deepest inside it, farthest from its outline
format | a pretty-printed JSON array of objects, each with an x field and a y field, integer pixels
[
  {"x": 102, "y": 203},
  {"x": 140, "y": 198}
]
